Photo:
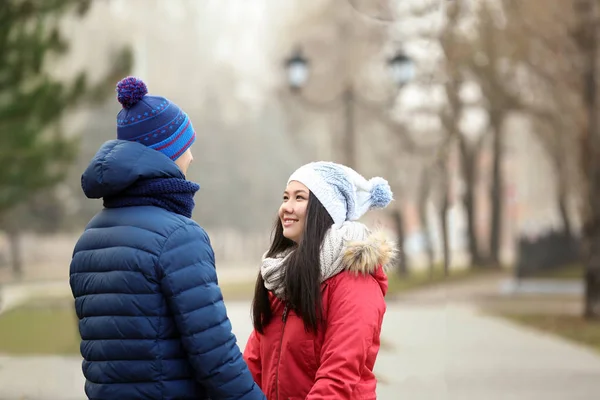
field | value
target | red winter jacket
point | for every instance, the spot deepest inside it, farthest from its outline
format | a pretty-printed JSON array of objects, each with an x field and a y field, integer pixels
[{"x": 337, "y": 362}]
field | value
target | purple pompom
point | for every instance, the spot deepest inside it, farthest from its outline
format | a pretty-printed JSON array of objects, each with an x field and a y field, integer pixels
[{"x": 130, "y": 91}]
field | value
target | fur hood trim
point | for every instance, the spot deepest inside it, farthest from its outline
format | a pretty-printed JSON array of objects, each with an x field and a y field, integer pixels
[{"x": 364, "y": 257}]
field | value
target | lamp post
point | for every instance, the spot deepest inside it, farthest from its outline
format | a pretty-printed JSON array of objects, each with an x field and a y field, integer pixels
[{"x": 401, "y": 69}]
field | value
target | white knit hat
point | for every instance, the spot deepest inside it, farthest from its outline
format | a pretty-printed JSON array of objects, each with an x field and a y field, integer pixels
[{"x": 345, "y": 194}]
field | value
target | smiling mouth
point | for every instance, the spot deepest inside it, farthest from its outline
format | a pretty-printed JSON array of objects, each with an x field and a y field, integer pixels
[{"x": 287, "y": 222}]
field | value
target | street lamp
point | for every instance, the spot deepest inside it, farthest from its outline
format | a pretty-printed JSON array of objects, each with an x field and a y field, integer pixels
[
  {"x": 401, "y": 69},
  {"x": 297, "y": 70}
]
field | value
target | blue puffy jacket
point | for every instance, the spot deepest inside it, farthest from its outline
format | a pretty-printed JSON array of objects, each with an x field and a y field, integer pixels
[{"x": 151, "y": 315}]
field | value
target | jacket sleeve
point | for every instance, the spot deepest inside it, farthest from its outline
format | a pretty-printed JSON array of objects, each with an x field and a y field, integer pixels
[
  {"x": 189, "y": 283},
  {"x": 354, "y": 316},
  {"x": 252, "y": 357}
]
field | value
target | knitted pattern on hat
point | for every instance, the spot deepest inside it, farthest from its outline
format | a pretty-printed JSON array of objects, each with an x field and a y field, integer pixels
[
  {"x": 172, "y": 194},
  {"x": 153, "y": 121},
  {"x": 345, "y": 194}
]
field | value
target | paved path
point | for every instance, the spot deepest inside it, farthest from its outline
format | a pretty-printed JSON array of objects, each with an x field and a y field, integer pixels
[
  {"x": 455, "y": 353},
  {"x": 439, "y": 351}
]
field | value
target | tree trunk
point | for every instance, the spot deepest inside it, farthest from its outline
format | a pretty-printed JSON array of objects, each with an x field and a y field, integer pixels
[
  {"x": 469, "y": 173},
  {"x": 591, "y": 230},
  {"x": 349, "y": 143},
  {"x": 564, "y": 210},
  {"x": 423, "y": 198},
  {"x": 402, "y": 264},
  {"x": 14, "y": 239},
  {"x": 496, "y": 192},
  {"x": 558, "y": 153},
  {"x": 445, "y": 205},
  {"x": 592, "y": 274},
  {"x": 588, "y": 12},
  {"x": 4, "y": 259},
  {"x": 592, "y": 246}
]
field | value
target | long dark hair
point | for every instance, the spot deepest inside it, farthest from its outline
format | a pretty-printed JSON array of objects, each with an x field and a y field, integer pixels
[{"x": 302, "y": 271}]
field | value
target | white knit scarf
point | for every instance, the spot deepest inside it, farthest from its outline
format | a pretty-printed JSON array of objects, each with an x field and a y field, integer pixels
[{"x": 273, "y": 268}]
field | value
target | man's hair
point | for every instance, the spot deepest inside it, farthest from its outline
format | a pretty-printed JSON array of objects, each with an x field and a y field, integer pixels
[{"x": 302, "y": 274}]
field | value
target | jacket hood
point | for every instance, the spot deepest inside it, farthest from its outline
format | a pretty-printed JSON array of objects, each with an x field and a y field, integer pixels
[
  {"x": 119, "y": 163},
  {"x": 374, "y": 256}
]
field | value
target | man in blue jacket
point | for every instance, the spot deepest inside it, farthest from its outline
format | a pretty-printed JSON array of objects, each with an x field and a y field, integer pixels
[{"x": 151, "y": 315}]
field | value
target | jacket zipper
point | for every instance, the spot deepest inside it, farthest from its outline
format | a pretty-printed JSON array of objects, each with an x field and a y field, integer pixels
[{"x": 284, "y": 319}]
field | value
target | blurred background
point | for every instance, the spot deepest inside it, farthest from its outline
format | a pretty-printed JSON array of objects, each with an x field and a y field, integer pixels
[{"x": 482, "y": 115}]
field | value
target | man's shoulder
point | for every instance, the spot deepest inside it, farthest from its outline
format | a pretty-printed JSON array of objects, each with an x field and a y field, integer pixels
[
  {"x": 169, "y": 229},
  {"x": 150, "y": 218},
  {"x": 187, "y": 230}
]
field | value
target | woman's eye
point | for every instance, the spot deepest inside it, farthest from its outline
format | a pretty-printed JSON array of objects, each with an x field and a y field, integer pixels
[
  {"x": 285, "y": 198},
  {"x": 299, "y": 197}
]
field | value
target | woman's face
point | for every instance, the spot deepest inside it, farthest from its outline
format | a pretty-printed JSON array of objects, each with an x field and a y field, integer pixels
[{"x": 292, "y": 212}]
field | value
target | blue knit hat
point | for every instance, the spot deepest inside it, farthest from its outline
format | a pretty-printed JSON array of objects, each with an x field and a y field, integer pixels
[
  {"x": 152, "y": 120},
  {"x": 345, "y": 194}
]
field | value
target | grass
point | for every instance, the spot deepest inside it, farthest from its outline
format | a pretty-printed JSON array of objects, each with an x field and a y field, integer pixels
[
  {"x": 571, "y": 271},
  {"x": 547, "y": 304},
  {"x": 42, "y": 328},
  {"x": 415, "y": 280},
  {"x": 423, "y": 278},
  {"x": 49, "y": 330},
  {"x": 35, "y": 330},
  {"x": 51, "y": 327},
  {"x": 570, "y": 327}
]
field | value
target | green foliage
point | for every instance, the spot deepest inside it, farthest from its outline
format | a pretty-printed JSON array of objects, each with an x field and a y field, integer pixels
[{"x": 34, "y": 151}]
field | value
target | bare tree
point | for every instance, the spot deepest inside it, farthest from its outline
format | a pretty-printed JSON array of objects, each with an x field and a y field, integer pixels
[
  {"x": 423, "y": 201},
  {"x": 588, "y": 12},
  {"x": 553, "y": 102},
  {"x": 451, "y": 77},
  {"x": 490, "y": 52},
  {"x": 567, "y": 34},
  {"x": 551, "y": 133},
  {"x": 443, "y": 206},
  {"x": 456, "y": 50}
]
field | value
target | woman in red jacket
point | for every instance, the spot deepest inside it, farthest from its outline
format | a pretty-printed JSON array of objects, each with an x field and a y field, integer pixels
[{"x": 319, "y": 299}]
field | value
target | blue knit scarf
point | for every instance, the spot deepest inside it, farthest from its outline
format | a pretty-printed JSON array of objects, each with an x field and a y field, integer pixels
[{"x": 172, "y": 194}]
